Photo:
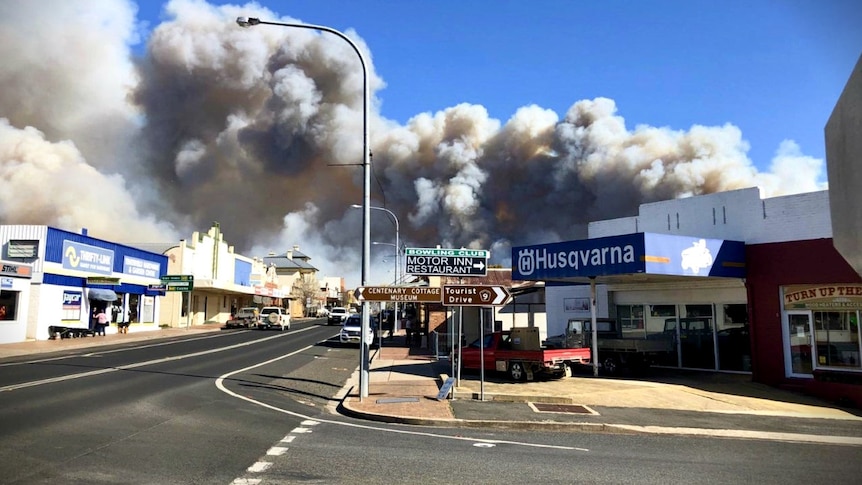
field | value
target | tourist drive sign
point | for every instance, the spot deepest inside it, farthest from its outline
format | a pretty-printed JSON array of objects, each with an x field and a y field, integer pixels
[
  {"x": 446, "y": 262},
  {"x": 475, "y": 295}
]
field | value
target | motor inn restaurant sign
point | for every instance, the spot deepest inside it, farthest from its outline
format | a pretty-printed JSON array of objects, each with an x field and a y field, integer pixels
[{"x": 823, "y": 297}]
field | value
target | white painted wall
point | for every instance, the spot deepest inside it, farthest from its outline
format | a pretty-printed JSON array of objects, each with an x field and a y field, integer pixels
[
  {"x": 739, "y": 215},
  {"x": 557, "y": 312}
]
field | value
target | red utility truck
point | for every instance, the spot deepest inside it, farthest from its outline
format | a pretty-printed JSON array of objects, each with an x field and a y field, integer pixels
[{"x": 521, "y": 361}]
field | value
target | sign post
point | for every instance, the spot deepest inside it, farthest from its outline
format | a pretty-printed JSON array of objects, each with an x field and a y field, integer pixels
[
  {"x": 475, "y": 295},
  {"x": 445, "y": 262},
  {"x": 184, "y": 283},
  {"x": 417, "y": 294},
  {"x": 178, "y": 282}
]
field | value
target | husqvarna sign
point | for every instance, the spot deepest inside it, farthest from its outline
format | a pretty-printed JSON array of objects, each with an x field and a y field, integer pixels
[{"x": 628, "y": 254}]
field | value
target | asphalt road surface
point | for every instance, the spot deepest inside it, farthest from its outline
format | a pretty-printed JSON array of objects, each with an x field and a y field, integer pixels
[{"x": 245, "y": 407}]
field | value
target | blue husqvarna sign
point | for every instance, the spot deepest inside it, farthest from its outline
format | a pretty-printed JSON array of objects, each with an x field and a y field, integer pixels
[{"x": 629, "y": 254}]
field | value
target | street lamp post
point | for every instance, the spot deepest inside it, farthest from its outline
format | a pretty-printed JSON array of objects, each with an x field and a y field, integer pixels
[
  {"x": 397, "y": 252},
  {"x": 395, "y": 303},
  {"x": 397, "y": 236},
  {"x": 366, "y": 186}
]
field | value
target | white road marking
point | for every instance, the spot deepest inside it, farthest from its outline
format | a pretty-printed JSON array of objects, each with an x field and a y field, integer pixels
[
  {"x": 276, "y": 451},
  {"x": 260, "y": 466},
  {"x": 125, "y": 349},
  {"x": 301, "y": 430},
  {"x": 136, "y": 365},
  {"x": 246, "y": 481},
  {"x": 484, "y": 445},
  {"x": 220, "y": 384},
  {"x": 288, "y": 439}
]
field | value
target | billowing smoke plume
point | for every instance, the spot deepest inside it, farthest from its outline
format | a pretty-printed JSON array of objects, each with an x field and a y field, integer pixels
[{"x": 260, "y": 130}]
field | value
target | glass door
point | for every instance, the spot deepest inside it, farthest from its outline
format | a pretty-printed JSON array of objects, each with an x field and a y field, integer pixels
[
  {"x": 696, "y": 337},
  {"x": 799, "y": 336}
]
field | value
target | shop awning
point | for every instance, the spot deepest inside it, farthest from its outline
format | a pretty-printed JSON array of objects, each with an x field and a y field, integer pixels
[{"x": 101, "y": 294}]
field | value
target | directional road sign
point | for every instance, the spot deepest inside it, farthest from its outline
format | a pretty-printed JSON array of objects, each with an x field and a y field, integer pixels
[
  {"x": 475, "y": 295},
  {"x": 443, "y": 262},
  {"x": 178, "y": 282},
  {"x": 421, "y": 294}
]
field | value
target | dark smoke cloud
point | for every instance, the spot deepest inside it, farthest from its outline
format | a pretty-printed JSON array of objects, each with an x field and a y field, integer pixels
[{"x": 259, "y": 129}]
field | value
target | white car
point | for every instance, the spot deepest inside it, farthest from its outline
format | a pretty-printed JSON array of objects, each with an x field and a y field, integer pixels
[
  {"x": 337, "y": 315},
  {"x": 274, "y": 317},
  {"x": 351, "y": 330}
]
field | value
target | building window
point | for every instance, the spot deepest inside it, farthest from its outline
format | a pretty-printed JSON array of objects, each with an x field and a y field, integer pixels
[
  {"x": 734, "y": 342},
  {"x": 631, "y": 320},
  {"x": 836, "y": 336},
  {"x": 8, "y": 305}
]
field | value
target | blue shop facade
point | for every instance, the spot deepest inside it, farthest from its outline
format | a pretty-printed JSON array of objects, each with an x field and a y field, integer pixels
[
  {"x": 689, "y": 290},
  {"x": 72, "y": 275}
]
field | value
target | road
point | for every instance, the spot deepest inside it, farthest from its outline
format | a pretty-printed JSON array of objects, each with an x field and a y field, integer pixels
[{"x": 242, "y": 407}]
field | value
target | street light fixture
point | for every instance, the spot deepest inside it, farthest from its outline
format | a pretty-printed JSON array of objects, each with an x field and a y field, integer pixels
[
  {"x": 366, "y": 186},
  {"x": 397, "y": 237},
  {"x": 394, "y": 303},
  {"x": 397, "y": 254}
]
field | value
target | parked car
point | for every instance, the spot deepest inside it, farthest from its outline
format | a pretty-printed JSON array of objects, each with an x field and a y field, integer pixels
[
  {"x": 351, "y": 330},
  {"x": 274, "y": 317},
  {"x": 337, "y": 315},
  {"x": 247, "y": 317}
]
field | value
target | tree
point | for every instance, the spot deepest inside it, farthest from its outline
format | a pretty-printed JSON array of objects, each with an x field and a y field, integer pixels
[{"x": 306, "y": 289}]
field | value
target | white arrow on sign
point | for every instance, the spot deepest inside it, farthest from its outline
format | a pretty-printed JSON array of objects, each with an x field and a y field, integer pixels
[
  {"x": 502, "y": 295},
  {"x": 480, "y": 265}
]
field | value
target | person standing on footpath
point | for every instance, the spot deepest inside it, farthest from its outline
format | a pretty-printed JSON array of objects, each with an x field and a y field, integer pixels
[{"x": 101, "y": 321}]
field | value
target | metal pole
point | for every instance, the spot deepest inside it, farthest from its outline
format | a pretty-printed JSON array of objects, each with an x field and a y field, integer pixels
[
  {"x": 366, "y": 186},
  {"x": 460, "y": 331},
  {"x": 594, "y": 352},
  {"x": 189, "y": 312},
  {"x": 481, "y": 354},
  {"x": 450, "y": 317}
]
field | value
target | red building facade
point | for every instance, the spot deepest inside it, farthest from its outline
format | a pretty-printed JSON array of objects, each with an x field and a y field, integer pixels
[{"x": 804, "y": 303}]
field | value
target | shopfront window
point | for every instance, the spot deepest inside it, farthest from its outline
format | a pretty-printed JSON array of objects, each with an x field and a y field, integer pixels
[
  {"x": 733, "y": 338},
  {"x": 661, "y": 320},
  {"x": 631, "y": 320},
  {"x": 836, "y": 336},
  {"x": 8, "y": 305},
  {"x": 696, "y": 344},
  {"x": 134, "y": 308}
]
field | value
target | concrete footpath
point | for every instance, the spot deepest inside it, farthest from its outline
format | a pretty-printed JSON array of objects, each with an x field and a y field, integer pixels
[{"x": 404, "y": 386}]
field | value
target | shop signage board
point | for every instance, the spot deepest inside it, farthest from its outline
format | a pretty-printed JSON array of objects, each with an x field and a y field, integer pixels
[
  {"x": 418, "y": 294},
  {"x": 475, "y": 295},
  {"x": 103, "y": 280},
  {"x": 446, "y": 262},
  {"x": 178, "y": 282}
]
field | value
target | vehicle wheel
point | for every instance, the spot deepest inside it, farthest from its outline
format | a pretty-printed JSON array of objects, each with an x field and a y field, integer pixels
[
  {"x": 272, "y": 318},
  {"x": 611, "y": 365},
  {"x": 517, "y": 371}
]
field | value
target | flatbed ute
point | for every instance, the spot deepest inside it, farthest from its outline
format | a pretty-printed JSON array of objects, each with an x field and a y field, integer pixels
[{"x": 521, "y": 365}]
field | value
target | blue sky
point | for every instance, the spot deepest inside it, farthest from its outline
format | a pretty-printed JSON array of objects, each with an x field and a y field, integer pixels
[{"x": 772, "y": 68}]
